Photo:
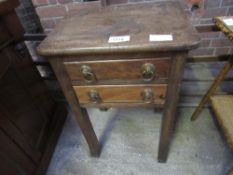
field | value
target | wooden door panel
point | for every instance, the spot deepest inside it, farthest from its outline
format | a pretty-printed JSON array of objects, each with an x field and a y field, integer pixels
[{"x": 10, "y": 151}]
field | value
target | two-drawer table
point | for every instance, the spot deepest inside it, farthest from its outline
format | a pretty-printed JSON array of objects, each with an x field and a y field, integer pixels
[{"x": 122, "y": 56}]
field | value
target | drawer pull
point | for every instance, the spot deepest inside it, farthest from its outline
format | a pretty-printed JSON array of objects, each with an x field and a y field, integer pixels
[
  {"x": 87, "y": 73},
  {"x": 147, "y": 95},
  {"x": 148, "y": 71},
  {"x": 94, "y": 96}
]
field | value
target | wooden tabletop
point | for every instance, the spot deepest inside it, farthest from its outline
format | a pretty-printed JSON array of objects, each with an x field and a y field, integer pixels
[{"x": 89, "y": 32}]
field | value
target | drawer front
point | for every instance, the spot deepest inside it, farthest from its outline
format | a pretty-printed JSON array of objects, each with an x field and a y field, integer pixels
[
  {"x": 135, "y": 69},
  {"x": 121, "y": 93}
]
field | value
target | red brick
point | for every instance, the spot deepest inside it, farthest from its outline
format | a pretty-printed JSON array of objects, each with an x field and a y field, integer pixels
[
  {"x": 221, "y": 43},
  {"x": 230, "y": 12},
  {"x": 40, "y": 2},
  {"x": 231, "y": 51},
  {"x": 184, "y": 4},
  {"x": 223, "y": 36},
  {"x": 34, "y": 2},
  {"x": 64, "y": 1},
  {"x": 205, "y": 43},
  {"x": 188, "y": 13},
  {"x": 206, "y": 21},
  {"x": 57, "y": 20},
  {"x": 52, "y": 1},
  {"x": 227, "y": 3},
  {"x": 198, "y": 52},
  {"x": 210, "y": 13},
  {"x": 112, "y": 2},
  {"x": 84, "y": 5},
  {"x": 51, "y": 11},
  {"x": 47, "y": 31},
  {"x": 137, "y": 0},
  {"x": 48, "y": 23},
  {"x": 212, "y": 3},
  {"x": 221, "y": 51},
  {"x": 209, "y": 35}
]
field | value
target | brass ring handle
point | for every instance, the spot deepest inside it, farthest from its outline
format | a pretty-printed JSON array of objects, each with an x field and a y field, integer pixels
[
  {"x": 94, "y": 96},
  {"x": 147, "y": 95},
  {"x": 148, "y": 71},
  {"x": 87, "y": 73}
]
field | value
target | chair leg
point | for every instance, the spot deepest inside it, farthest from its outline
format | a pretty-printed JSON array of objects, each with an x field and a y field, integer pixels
[{"x": 213, "y": 87}]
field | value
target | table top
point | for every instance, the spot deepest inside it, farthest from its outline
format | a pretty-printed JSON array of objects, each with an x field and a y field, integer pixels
[
  {"x": 225, "y": 24},
  {"x": 140, "y": 27}
]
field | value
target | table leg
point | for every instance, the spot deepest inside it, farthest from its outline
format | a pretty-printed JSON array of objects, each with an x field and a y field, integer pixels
[
  {"x": 174, "y": 81},
  {"x": 80, "y": 113}
]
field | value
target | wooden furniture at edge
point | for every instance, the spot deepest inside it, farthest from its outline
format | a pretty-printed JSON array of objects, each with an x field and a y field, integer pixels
[
  {"x": 95, "y": 73},
  {"x": 222, "y": 105},
  {"x": 30, "y": 121}
]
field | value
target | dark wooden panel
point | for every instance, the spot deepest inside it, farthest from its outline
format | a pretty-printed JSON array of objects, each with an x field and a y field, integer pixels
[
  {"x": 16, "y": 134},
  {"x": 33, "y": 91},
  {"x": 6, "y": 35},
  {"x": 22, "y": 112},
  {"x": 121, "y": 93},
  {"x": 8, "y": 167},
  {"x": 4, "y": 64},
  {"x": 29, "y": 122},
  {"x": 13, "y": 153},
  {"x": 118, "y": 69},
  {"x": 7, "y": 6}
]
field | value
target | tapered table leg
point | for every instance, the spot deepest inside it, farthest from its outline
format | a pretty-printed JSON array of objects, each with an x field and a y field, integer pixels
[
  {"x": 80, "y": 113},
  {"x": 174, "y": 81}
]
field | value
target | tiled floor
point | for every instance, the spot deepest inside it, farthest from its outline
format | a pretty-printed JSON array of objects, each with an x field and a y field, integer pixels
[{"x": 130, "y": 141}]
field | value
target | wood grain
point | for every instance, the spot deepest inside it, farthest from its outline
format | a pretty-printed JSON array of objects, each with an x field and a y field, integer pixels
[
  {"x": 121, "y": 93},
  {"x": 80, "y": 113},
  {"x": 118, "y": 69},
  {"x": 81, "y": 34},
  {"x": 26, "y": 107},
  {"x": 172, "y": 97}
]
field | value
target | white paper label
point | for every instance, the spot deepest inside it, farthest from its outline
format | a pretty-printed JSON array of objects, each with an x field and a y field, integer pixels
[
  {"x": 119, "y": 39},
  {"x": 228, "y": 22},
  {"x": 154, "y": 37}
]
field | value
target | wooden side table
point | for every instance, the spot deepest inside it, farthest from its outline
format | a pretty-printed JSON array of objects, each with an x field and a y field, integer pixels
[{"x": 122, "y": 56}]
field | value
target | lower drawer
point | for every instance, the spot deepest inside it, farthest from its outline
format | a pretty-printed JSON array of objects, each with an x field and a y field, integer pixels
[{"x": 121, "y": 93}]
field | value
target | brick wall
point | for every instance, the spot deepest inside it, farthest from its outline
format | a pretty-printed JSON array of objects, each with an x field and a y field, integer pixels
[
  {"x": 28, "y": 17},
  {"x": 213, "y": 43}
]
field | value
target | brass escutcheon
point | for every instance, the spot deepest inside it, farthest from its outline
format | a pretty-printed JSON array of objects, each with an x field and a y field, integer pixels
[
  {"x": 87, "y": 73},
  {"x": 94, "y": 96},
  {"x": 147, "y": 95},
  {"x": 148, "y": 71}
]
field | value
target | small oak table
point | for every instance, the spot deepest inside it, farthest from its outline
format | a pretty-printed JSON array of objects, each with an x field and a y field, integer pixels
[{"x": 122, "y": 56}]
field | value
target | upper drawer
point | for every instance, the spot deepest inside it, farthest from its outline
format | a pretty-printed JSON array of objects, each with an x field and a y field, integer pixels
[{"x": 133, "y": 69}]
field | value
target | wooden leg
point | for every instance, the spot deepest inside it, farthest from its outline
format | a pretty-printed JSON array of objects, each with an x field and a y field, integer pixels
[
  {"x": 175, "y": 76},
  {"x": 212, "y": 88},
  {"x": 80, "y": 113}
]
